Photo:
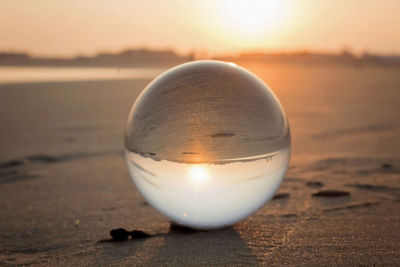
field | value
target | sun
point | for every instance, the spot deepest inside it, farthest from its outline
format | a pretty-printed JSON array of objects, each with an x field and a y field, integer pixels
[{"x": 253, "y": 16}]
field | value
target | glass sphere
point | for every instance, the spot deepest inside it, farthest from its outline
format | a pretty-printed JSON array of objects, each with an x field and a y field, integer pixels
[{"x": 207, "y": 144}]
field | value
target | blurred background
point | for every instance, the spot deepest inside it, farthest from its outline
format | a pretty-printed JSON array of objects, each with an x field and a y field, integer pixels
[
  {"x": 333, "y": 64},
  {"x": 199, "y": 29}
]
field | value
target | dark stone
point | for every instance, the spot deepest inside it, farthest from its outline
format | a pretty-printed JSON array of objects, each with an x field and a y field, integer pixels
[
  {"x": 119, "y": 234},
  {"x": 137, "y": 234},
  {"x": 182, "y": 229},
  {"x": 331, "y": 193}
]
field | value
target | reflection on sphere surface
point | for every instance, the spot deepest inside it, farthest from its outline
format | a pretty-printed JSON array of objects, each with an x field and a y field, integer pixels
[{"x": 207, "y": 143}]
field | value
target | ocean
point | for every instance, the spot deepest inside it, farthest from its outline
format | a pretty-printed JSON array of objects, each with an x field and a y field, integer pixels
[{"x": 13, "y": 75}]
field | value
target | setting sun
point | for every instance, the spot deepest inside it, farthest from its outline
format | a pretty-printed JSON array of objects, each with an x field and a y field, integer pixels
[{"x": 253, "y": 16}]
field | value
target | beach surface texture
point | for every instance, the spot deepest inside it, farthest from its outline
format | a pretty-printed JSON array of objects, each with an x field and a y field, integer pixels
[{"x": 64, "y": 182}]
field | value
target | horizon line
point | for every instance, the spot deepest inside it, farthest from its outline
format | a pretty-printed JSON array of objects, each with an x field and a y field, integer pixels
[{"x": 338, "y": 51}]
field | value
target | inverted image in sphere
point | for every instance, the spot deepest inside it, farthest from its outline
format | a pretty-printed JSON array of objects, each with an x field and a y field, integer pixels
[{"x": 207, "y": 143}]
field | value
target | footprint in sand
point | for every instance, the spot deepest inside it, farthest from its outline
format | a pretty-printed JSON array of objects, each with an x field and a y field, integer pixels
[{"x": 331, "y": 193}]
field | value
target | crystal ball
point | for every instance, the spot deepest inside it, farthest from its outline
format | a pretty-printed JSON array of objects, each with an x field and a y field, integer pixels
[{"x": 207, "y": 144}]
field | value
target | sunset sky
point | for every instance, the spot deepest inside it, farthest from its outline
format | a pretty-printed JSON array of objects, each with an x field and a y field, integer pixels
[{"x": 68, "y": 28}]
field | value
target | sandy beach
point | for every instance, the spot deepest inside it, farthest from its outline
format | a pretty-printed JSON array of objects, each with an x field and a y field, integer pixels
[{"x": 64, "y": 183}]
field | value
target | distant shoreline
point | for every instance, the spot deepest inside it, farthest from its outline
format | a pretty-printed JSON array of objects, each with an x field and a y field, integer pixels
[
  {"x": 313, "y": 58},
  {"x": 164, "y": 58},
  {"x": 127, "y": 58}
]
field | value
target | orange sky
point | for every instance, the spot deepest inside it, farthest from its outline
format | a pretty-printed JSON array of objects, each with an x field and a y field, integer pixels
[{"x": 70, "y": 27}]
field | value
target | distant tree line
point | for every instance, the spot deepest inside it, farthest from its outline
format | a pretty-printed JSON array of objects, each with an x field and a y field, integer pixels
[
  {"x": 127, "y": 58},
  {"x": 145, "y": 57},
  {"x": 307, "y": 57}
]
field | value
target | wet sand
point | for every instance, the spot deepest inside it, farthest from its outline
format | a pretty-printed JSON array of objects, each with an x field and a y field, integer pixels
[{"x": 64, "y": 183}]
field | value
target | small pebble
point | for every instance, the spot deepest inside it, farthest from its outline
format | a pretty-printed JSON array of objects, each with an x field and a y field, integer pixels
[
  {"x": 119, "y": 234},
  {"x": 182, "y": 229},
  {"x": 137, "y": 234}
]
